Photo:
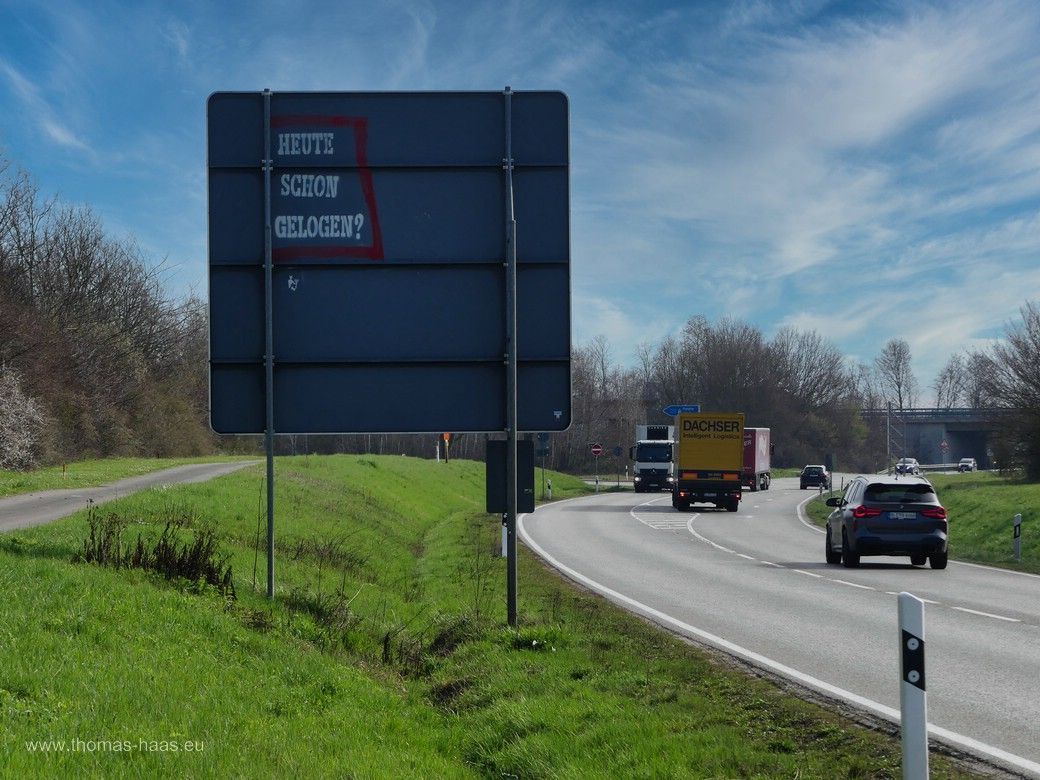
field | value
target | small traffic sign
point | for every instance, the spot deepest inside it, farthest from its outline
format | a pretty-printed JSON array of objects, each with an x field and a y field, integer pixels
[
  {"x": 943, "y": 445},
  {"x": 617, "y": 452},
  {"x": 676, "y": 409},
  {"x": 597, "y": 450}
]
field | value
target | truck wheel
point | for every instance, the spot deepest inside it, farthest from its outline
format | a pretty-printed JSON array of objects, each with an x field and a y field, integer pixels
[
  {"x": 683, "y": 505},
  {"x": 753, "y": 486},
  {"x": 767, "y": 481},
  {"x": 732, "y": 506}
]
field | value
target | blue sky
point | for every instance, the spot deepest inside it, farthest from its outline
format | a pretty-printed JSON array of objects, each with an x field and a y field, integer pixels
[{"x": 869, "y": 170}]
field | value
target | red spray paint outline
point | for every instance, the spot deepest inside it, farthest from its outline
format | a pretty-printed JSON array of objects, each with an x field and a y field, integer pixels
[{"x": 360, "y": 127}]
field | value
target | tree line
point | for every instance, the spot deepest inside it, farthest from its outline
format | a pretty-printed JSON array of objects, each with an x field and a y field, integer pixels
[
  {"x": 98, "y": 359},
  {"x": 804, "y": 389}
]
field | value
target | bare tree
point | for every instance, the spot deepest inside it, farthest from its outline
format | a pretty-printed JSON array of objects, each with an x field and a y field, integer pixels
[
  {"x": 896, "y": 375},
  {"x": 949, "y": 384},
  {"x": 978, "y": 367},
  {"x": 1013, "y": 384}
]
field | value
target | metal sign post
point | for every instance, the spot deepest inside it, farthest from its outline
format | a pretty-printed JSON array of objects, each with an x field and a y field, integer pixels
[
  {"x": 268, "y": 344},
  {"x": 507, "y": 165}
]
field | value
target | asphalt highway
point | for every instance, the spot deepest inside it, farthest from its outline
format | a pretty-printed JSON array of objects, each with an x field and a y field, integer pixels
[{"x": 755, "y": 585}]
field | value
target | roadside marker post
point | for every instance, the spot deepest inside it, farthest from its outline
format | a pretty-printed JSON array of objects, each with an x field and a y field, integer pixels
[
  {"x": 913, "y": 701},
  {"x": 596, "y": 450},
  {"x": 1018, "y": 537}
]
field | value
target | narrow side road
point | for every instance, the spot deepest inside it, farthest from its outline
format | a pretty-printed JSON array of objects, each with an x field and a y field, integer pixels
[{"x": 29, "y": 509}]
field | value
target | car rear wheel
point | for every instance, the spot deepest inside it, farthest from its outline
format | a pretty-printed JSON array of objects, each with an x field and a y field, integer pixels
[
  {"x": 918, "y": 560},
  {"x": 849, "y": 559},
  {"x": 832, "y": 557},
  {"x": 939, "y": 560}
]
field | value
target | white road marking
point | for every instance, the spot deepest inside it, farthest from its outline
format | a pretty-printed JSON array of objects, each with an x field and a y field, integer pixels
[
  {"x": 746, "y": 556},
  {"x": 803, "y": 518},
  {"x": 987, "y": 614},
  {"x": 809, "y": 573},
  {"x": 770, "y": 563},
  {"x": 994, "y": 568},
  {"x": 768, "y": 663},
  {"x": 853, "y": 584}
]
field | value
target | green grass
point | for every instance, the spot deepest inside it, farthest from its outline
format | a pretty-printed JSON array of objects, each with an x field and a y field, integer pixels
[
  {"x": 91, "y": 473},
  {"x": 982, "y": 507},
  {"x": 385, "y": 654}
]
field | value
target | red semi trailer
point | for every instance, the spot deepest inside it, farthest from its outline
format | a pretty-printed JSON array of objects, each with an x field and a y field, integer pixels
[{"x": 757, "y": 449}]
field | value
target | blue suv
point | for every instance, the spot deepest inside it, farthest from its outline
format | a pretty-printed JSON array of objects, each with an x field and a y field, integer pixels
[{"x": 887, "y": 515}]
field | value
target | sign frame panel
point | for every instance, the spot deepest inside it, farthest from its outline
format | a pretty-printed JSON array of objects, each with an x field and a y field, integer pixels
[{"x": 389, "y": 242}]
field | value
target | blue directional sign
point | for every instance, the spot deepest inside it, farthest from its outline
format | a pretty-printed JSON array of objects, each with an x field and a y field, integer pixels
[
  {"x": 676, "y": 409},
  {"x": 387, "y": 217}
]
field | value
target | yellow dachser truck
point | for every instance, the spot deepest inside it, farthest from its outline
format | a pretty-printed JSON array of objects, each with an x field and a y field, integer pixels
[{"x": 709, "y": 460}]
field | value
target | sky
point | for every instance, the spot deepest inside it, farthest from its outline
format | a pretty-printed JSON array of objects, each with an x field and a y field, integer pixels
[{"x": 867, "y": 170}]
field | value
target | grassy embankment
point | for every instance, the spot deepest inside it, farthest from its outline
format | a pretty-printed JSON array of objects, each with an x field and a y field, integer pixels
[
  {"x": 385, "y": 654},
  {"x": 93, "y": 473},
  {"x": 982, "y": 507}
]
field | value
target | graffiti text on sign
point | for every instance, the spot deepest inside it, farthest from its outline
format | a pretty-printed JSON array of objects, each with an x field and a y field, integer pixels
[
  {"x": 330, "y": 210},
  {"x": 305, "y": 143},
  {"x": 325, "y": 226},
  {"x": 309, "y": 185}
]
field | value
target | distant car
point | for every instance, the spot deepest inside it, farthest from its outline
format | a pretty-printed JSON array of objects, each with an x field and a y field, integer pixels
[
  {"x": 887, "y": 515},
  {"x": 967, "y": 464},
  {"x": 814, "y": 476},
  {"x": 908, "y": 466}
]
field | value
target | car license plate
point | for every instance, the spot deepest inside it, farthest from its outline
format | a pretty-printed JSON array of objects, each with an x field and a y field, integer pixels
[
  {"x": 902, "y": 515},
  {"x": 710, "y": 495}
]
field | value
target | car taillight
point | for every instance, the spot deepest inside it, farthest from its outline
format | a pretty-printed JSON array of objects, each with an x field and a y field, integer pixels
[
  {"x": 938, "y": 512},
  {"x": 865, "y": 511}
]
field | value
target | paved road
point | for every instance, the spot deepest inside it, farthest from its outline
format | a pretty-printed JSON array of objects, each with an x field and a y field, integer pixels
[
  {"x": 29, "y": 509},
  {"x": 755, "y": 585}
]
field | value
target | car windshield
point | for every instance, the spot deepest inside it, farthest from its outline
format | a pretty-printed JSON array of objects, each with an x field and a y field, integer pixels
[
  {"x": 812, "y": 471},
  {"x": 965, "y": 460},
  {"x": 887, "y": 493},
  {"x": 908, "y": 461},
  {"x": 654, "y": 453}
]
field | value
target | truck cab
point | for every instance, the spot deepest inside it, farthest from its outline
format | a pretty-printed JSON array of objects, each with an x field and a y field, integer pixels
[{"x": 652, "y": 467}]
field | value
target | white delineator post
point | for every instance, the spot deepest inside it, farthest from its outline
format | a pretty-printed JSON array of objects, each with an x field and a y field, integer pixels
[
  {"x": 1018, "y": 537},
  {"x": 913, "y": 702}
]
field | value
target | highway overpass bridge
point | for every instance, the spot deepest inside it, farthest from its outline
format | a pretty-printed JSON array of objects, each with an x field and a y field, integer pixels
[{"x": 920, "y": 433}]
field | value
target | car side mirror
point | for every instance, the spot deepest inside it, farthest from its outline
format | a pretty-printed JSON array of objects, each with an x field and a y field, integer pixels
[{"x": 834, "y": 501}]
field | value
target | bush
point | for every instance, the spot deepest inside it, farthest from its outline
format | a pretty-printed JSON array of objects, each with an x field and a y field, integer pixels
[{"x": 22, "y": 422}]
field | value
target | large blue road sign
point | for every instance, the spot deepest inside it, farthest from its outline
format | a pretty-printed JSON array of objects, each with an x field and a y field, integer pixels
[{"x": 388, "y": 243}]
